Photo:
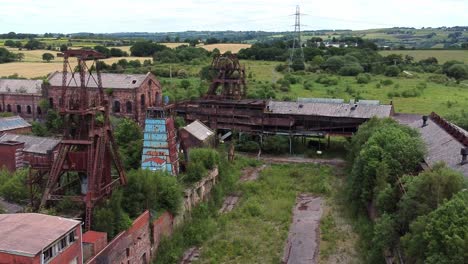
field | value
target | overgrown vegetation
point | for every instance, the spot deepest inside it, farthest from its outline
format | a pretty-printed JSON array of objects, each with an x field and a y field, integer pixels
[
  {"x": 13, "y": 185},
  {"x": 129, "y": 138},
  {"x": 383, "y": 183}
]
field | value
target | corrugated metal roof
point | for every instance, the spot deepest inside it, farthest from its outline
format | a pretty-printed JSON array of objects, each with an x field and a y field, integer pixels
[
  {"x": 20, "y": 86},
  {"x": 29, "y": 233},
  {"x": 109, "y": 80},
  {"x": 330, "y": 109},
  {"x": 320, "y": 100},
  {"x": 40, "y": 145},
  {"x": 13, "y": 122},
  {"x": 199, "y": 130},
  {"x": 441, "y": 146},
  {"x": 369, "y": 102}
]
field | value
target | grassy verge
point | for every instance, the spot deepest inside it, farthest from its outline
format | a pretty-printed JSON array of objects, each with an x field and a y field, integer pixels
[{"x": 255, "y": 231}]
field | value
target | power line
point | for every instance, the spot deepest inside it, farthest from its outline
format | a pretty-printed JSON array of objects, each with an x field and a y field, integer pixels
[{"x": 297, "y": 38}]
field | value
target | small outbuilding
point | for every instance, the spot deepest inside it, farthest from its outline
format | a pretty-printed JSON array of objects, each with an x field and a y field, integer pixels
[{"x": 196, "y": 134}]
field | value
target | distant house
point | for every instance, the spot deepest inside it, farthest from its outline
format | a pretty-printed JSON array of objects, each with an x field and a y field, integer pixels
[
  {"x": 196, "y": 134},
  {"x": 21, "y": 150},
  {"x": 445, "y": 142},
  {"x": 21, "y": 97},
  {"x": 128, "y": 94},
  {"x": 14, "y": 124},
  {"x": 37, "y": 238}
]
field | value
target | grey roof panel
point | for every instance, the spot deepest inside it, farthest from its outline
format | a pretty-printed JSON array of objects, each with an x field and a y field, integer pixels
[
  {"x": 20, "y": 86},
  {"x": 13, "y": 122},
  {"x": 199, "y": 130},
  {"x": 109, "y": 80},
  {"x": 39, "y": 145},
  {"x": 441, "y": 146},
  {"x": 330, "y": 109}
]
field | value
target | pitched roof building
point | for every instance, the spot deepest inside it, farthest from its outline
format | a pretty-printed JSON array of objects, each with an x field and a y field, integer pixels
[
  {"x": 445, "y": 142},
  {"x": 128, "y": 94},
  {"x": 38, "y": 238},
  {"x": 21, "y": 97},
  {"x": 14, "y": 124}
]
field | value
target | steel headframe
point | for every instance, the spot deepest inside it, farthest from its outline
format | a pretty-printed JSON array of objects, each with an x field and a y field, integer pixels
[
  {"x": 88, "y": 149},
  {"x": 230, "y": 76}
]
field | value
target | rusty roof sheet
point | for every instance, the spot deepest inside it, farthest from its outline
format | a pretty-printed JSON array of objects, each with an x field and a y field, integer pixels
[
  {"x": 330, "y": 109},
  {"x": 33, "y": 144},
  {"x": 29, "y": 233},
  {"x": 13, "y": 122},
  {"x": 441, "y": 145},
  {"x": 20, "y": 86},
  {"x": 199, "y": 130},
  {"x": 109, "y": 80}
]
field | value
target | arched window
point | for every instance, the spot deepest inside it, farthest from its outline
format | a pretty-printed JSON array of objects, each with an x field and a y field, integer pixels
[
  {"x": 18, "y": 108},
  {"x": 28, "y": 109},
  {"x": 1, "y": 109},
  {"x": 51, "y": 102},
  {"x": 39, "y": 110},
  {"x": 8, "y": 107},
  {"x": 129, "y": 106},
  {"x": 157, "y": 99},
  {"x": 142, "y": 102},
  {"x": 116, "y": 107}
]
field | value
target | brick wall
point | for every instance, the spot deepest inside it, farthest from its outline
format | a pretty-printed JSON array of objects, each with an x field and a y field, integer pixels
[
  {"x": 132, "y": 246},
  {"x": 24, "y": 105},
  {"x": 162, "y": 227},
  {"x": 131, "y": 103}
]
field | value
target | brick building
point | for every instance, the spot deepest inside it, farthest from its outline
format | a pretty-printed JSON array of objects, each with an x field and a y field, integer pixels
[
  {"x": 128, "y": 94},
  {"x": 21, "y": 150},
  {"x": 21, "y": 97},
  {"x": 31, "y": 238},
  {"x": 14, "y": 124}
]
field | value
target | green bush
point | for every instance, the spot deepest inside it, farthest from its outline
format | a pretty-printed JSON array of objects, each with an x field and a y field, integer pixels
[
  {"x": 351, "y": 70},
  {"x": 13, "y": 186},
  {"x": 411, "y": 93},
  {"x": 386, "y": 82},
  {"x": 208, "y": 157},
  {"x": 363, "y": 78},
  {"x": 276, "y": 144},
  {"x": 327, "y": 80},
  {"x": 195, "y": 172},
  {"x": 392, "y": 71}
]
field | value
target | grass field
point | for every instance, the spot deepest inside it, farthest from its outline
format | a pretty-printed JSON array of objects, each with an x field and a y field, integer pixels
[
  {"x": 256, "y": 230},
  {"x": 441, "y": 55},
  {"x": 435, "y": 97}
]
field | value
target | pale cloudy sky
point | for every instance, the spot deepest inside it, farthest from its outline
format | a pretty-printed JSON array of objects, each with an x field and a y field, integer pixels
[{"x": 68, "y": 16}]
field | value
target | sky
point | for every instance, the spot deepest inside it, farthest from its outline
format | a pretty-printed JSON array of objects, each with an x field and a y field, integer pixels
[{"x": 104, "y": 16}]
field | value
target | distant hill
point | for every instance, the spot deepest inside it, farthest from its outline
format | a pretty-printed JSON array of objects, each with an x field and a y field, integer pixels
[{"x": 398, "y": 37}]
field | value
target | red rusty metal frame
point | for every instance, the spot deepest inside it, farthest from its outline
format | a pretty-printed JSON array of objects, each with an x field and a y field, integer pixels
[
  {"x": 230, "y": 77},
  {"x": 88, "y": 147}
]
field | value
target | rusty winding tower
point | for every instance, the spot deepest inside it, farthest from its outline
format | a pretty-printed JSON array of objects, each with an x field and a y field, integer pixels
[
  {"x": 88, "y": 154},
  {"x": 230, "y": 77}
]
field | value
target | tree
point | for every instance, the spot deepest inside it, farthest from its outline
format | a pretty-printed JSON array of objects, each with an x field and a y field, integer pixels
[
  {"x": 129, "y": 138},
  {"x": 381, "y": 151},
  {"x": 110, "y": 216},
  {"x": 425, "y": 192},
  {"x": 458, "y": 71},
  {"x": 392, "y": 71},
  {"x": 63, "y": 47},
  {"x": 9, "y": 43},
  {"x": 440, "y": 236},
  {"x": 47, "y": 57},
  {"x": 152, "y": 190},
  {"x": 101, "y": 49},
  {"x": 20, "y": 56},
  {"x": 146, "y": 48}
]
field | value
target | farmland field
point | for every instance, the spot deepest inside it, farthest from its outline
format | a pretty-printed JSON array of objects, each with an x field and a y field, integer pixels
[
  {"x": 36, "y": 68},
  {"x": 441, "y": 55},
  {"x": 223, "y": 47}
]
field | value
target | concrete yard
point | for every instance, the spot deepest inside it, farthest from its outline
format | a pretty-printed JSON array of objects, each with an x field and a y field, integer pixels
[{"x": 302, "y": 245}]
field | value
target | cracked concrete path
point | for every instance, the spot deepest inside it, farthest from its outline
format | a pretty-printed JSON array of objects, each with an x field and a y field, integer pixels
[{"x": 302, "y": 246}]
